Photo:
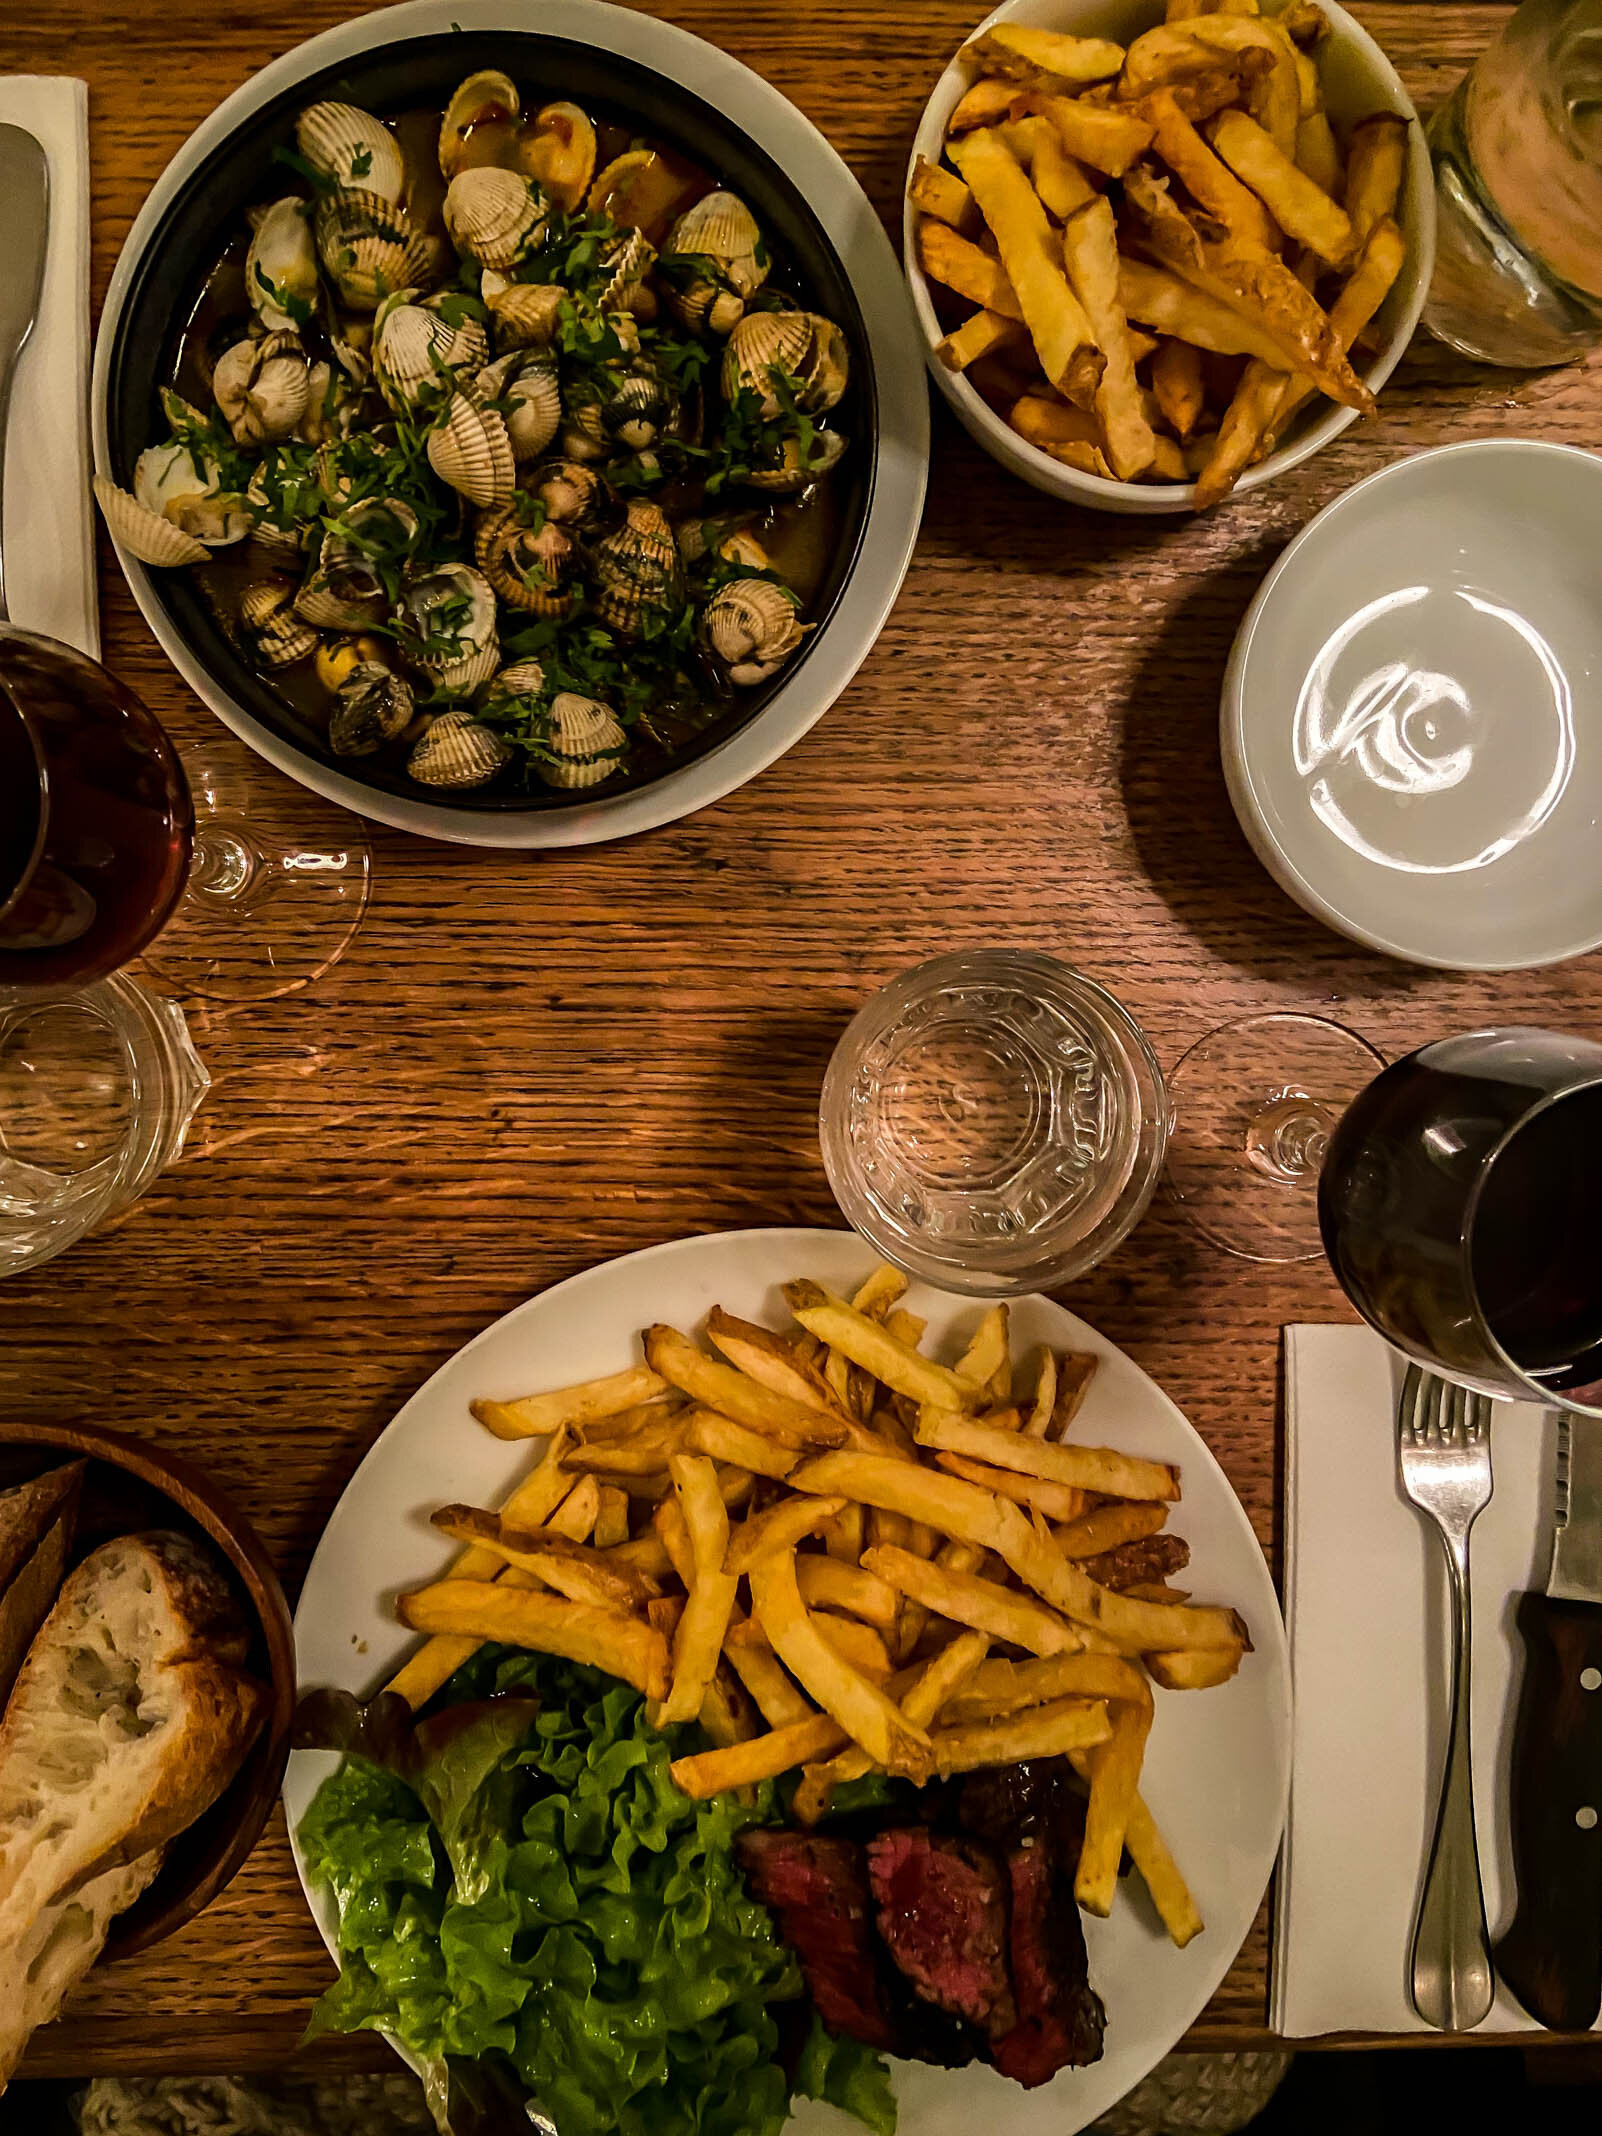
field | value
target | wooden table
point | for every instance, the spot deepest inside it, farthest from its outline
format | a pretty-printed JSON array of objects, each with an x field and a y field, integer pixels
[{"x": 530, "y": 1063}]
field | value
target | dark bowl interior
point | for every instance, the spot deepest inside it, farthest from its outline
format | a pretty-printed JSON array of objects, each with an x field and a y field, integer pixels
[
  {"x": 127, "y": 1489},
  {"x": 419, "y": 72}
]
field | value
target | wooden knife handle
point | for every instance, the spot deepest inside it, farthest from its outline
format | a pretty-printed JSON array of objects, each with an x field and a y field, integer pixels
[{"x": 1551, "y": 1956}]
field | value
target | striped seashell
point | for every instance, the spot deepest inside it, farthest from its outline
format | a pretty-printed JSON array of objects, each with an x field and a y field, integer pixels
[
  {"x": 560, "y": 157},
  {"x": 263, "y": 388},
  {"x": 470, "y": 652},
  {"x": 523, "y": 315},
  {"x": 761, "y": 344},
  {"x": 628, "y": 260},
  {"x": 587, "y": 740},
  {"x": 479, "y": 101},
  {"x": 575, "y": 495},
  {"x": 144, "y": 534},
  {"x": 530, "y": 570},
  {"x": 751, "y": 626},
  {"x": 584, "y": 433},
  {"x": 786, "y": 474},
  {"x": 363, "y": 242},
  {"x": 285, "y": 641},
  {"x": 636, "y": 569},
  {"x": 640, "y": 409},
  {"x": 281, "y": 266},
  {"x": 264, "y": 600},
  {"x": 524, "y": 678},
  {"x": 417, "y": 355},
  {"x": 457, "y": 751},
  {"x": 372, "y": 706},
  {"x": 721, "y": 235},
  {"x": 493, "y": 216},
  {"x": 471, "y": 451},
  {"x": 350, "y": 147},
  {"x": 529, "y": 389},
  {"x": 430, "y": 259}
]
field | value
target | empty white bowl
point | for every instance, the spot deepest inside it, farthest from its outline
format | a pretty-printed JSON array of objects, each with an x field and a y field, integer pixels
[
  {"x": 1412, "y": 726},
  {"x": 1357, "y": 79}
]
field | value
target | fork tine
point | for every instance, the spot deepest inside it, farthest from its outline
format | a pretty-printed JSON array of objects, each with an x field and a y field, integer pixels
[{"x": 1407, "y": 1409}]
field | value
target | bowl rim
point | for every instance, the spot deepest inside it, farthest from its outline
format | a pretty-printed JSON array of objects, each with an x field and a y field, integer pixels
[
  {"x": 1269, "y": 849},
  {"x": 987, "y": 429},
  {"x": 896, "y": 478},
  {"x": 260, "y": 1776}
]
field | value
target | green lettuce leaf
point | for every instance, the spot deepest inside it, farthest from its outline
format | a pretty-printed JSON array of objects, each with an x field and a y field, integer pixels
[{"x": 849, "y": 2075}]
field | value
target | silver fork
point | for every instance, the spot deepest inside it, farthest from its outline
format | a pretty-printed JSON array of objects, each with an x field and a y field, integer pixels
[{"x": 1444, "y": 1445}]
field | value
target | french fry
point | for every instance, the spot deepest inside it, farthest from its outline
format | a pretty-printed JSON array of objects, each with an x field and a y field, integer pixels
[
  {"x": 1043, "y": 1732},
  {"x": 845, "y": 1535},
  {"x": 1133, "y": 1627},
  {"x": 987, "y": 1350},
  {"x": 1114, "y": 1779},
  {"x": 1090, "y": 249},
  {"x": 956, "y": 1509},
  {"x": 1209, "y": 181},
  {"x": 764, "y": 1757},
  {"x": 867, "y": 1715},
  {"x": 857, "y": 1644},
  {"x": 877, "y": 1349},
  {"x": 1170, "y": 1894},
  {"x": 644, "y": 1453},
  {"x": 1160, "y": 299},
  {"x": 1105, "y": 1527},
  {"x": 1045, "y": 1394},
  {"x": 1005, "y": 1687},
  {"x": 674, "y": 1531},
  {"x": 1165, "y": 56},
  {"x": 647, "y": 1554},
  {"x": 1195, "y": 1671},
  {"x": 663, "y": 1613},
  {"x": 1318, "y": 155},
  {"x": 1058, "y": 1501},
  {"x": 1058, "y": 179},
  {"x": 827, "y": 1584},
  {"x": 536, "y": 1416},
  {"x": 1242, "y": 433},
  {"x": 987, "y": 103},
  {"x": 952, "y": 260},
  {"x": 1109, "y": 141},
  {"x": 778, "y": 1700},
  {"x": 780, "y": 1527},
  {"x": 1066, "y": 434},
  {"x": 1376, "y": 156},
  {"x": 907, "y": 1328},
  {"x": 1086, "y": 1468},
  {"x": 1075, "y": 1371},
  {"x": 735, "y": 1395},
  {"x": 727, "y": 1715},
  {"x": 1366, "y": 290},
  {"x": 547, "y": 1624},
  {"x": 573, "y": 1569},
  {"x": 1051, "y": 58},
  {"x": 941, "y": 193},
  {"x": 1301, "y": 209},
  {"x": 880, "y": 1293},
  {"x": 1156, "y": 1591},
  {"x": 612, "y": 1517},
  {"x": 934, "y": 1685},
  {"x": 983, "y": 1605},
  {"x": 1168, "y": 460},
  {"x": 707, "y": 1432},
  {"x": 980, "y": 335},
  {"x": 768, "y": 1359},
  {"x": 698, "y": 1639},
  {"x": 1030, "y": 256}
]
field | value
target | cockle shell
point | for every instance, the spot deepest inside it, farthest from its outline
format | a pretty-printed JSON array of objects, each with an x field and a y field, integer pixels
[
  {"x": 363, "y": 241},
  {"x": 478, "y": 101},
  {"x": 463, "y": 650},
  {"x": 345, "y": 588},
  {"x": 529, "y": 389},
  {"x": 371, "y": 707},
  {"x": 494, "y": 216},
  {"x": 584, "y": 431},
  {"x": 760, "y": 345},
  {"x": 471, "y": 451},
  {"x": 351, "y": 148},
  {"x": 145, "y": 534},
  {"x": 751, "y": 626},
  {"x": 720, "y": 235},
  {"x": 278, "y": 636},
  {"x": 641, "y": 409},
  {"x": 458, "y": 751},
  {"x": 636, "y": 569},
  {"x": 574, "y": 495},
  {"x": 733, "y": 544},
  {"x": 561, "y": 155},
  {"x": 522, "y": 314},
  {"x": 531, "y": 569},
  {"x": 281, "y": 266},
  {"x": 330, "y": 406},
  {"x": 628, "y": 260},
  {"x": 417, "y": 355},
  {"x": 263, "y": 600},
  {"x": 785, "y": 474},
  {"x": 263, "y": 388},
  {"x": 587, "y": 740},
  {"x": 524, "y": 678}
]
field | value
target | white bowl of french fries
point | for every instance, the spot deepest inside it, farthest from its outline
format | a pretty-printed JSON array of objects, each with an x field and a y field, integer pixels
[{"x": 1158, "y": 261}]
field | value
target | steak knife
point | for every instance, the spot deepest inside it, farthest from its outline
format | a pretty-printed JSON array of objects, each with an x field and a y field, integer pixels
[{"x": 1551, "y": 1956}]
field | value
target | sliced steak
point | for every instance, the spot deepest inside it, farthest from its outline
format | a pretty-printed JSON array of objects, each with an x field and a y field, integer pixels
[
  {"x": 941, "y": 1907},
  {"x": 1153, "y": 1558},
  {"x": 1060, "y": 2015},
  {"x": 819, "y": 1890}
]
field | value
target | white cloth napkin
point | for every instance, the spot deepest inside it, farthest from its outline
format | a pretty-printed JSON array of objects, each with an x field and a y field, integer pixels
[
  {"x": 1366, "y": 1610},
  {"x": 49, "y": 535}
]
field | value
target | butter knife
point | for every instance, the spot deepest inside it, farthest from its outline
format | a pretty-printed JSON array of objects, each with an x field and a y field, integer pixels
[{"x": 25, "y": 191}]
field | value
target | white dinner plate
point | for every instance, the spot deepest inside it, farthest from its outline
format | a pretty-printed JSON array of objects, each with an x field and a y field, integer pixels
[
  {"x": 1218, "y": 1762},
  {"x": 1411, "y": 729}
]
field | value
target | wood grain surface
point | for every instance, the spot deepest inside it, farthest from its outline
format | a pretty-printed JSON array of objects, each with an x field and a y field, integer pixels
[{"x": 530, "y": 1063}]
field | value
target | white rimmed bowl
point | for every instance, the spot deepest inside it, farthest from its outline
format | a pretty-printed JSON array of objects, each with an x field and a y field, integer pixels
[
  {"x": 693, "y": 86},
  {"x": 1357, "y": 78},
  {"x": 1410, "y": 726}
]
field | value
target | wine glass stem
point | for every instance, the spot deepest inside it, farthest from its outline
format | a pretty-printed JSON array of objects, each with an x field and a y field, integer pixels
[
  {"x": 228, "y": 865},
  {"x": 1287, "y": 1139}
]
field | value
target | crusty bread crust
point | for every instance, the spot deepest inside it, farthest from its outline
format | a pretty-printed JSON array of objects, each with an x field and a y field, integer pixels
[{"x": 37, "y": 1520}]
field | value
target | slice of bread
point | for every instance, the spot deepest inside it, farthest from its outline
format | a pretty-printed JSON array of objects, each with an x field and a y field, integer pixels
[
  {"x": 36, "y": 1527},
  {"x": 131, "y": 1715}
]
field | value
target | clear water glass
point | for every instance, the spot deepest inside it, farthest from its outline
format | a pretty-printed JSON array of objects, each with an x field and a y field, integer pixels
[
  {"x": 97, "y": 1090},
  {"x": 1518, "y": 185},
  {"x": 993, "y": 1122}
]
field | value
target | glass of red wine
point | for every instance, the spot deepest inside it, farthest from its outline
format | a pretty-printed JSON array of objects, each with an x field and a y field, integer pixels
[
  {"x": 1459, "y": 1201},
  {"x": 113, "y": 844}
]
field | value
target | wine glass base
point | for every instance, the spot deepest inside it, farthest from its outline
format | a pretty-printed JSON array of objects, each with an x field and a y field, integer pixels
[
  {"x": 277, "y": 888},
  {"x": 1252, "y": 1106}
]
